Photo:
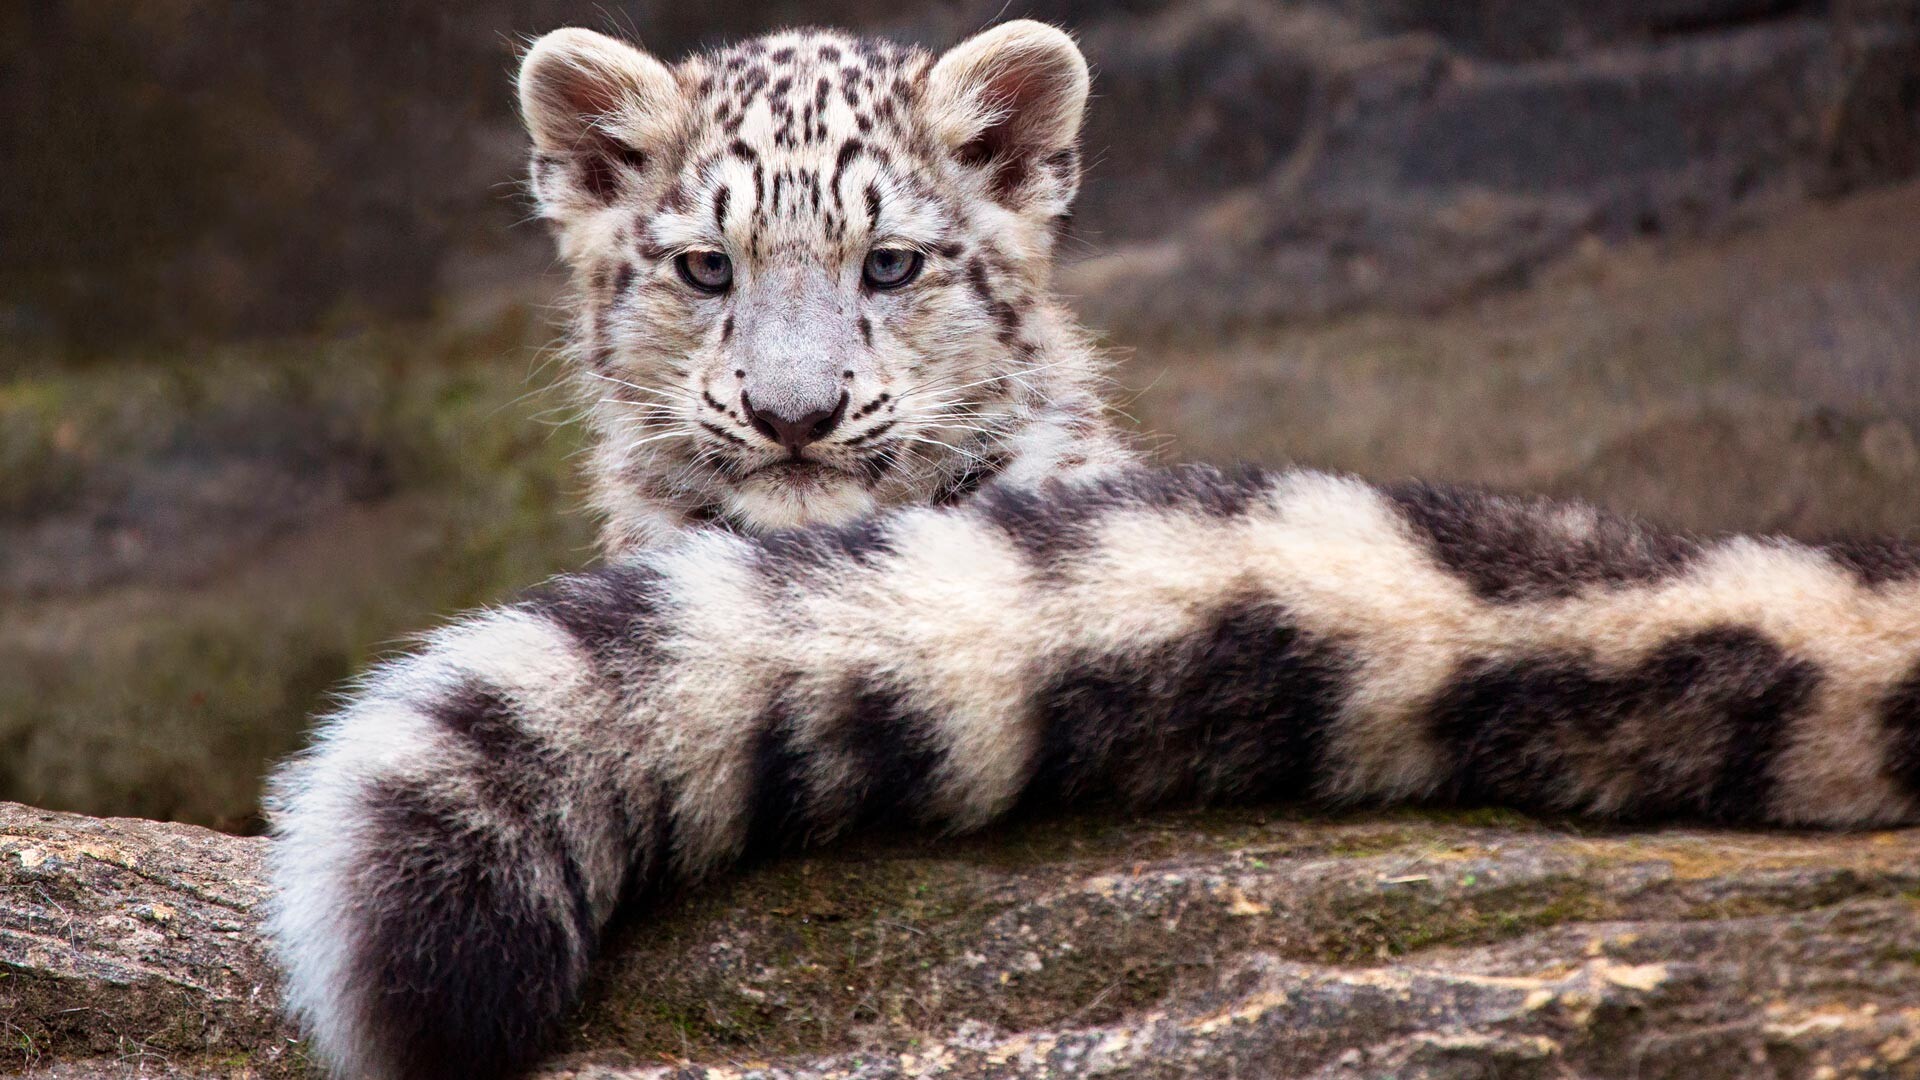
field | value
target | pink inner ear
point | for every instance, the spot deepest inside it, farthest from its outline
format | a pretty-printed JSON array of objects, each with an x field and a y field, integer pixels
[
  {"x": 580, "y": 91},
  {"x": 1016, "y": 91},
  {"x": 585, "y": 94},
  {"x": 598, "y": 155}
]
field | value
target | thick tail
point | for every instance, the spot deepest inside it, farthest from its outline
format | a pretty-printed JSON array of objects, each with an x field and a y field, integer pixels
[{"x": 448, "y": 851}]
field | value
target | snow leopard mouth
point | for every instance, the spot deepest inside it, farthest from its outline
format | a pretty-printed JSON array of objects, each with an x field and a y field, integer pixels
[{"x": 798, "y": 473}]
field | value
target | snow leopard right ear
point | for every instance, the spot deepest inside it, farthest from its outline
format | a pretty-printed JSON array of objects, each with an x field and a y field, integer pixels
[{"x": 599, "y": 110}]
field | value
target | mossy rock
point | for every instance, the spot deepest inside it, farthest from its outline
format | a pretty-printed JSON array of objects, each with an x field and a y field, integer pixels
[{"x": 1269, "y": 942}]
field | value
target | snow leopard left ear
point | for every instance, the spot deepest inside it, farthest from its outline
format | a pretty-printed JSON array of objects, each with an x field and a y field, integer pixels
[
  {"x": 599, "y": 111},
  {"x": 1009, "y": 101}
]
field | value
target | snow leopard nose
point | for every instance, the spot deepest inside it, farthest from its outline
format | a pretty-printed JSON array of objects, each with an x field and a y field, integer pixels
[{"x": 794, "y": 432}]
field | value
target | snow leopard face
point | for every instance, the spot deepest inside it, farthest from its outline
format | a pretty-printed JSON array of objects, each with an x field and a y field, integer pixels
[{"x": 812, "y": 269}]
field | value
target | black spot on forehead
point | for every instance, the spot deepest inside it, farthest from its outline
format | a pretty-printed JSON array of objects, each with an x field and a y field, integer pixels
[
  {"x": 796, "y": 95},
  {"x": 849, "y": 150},
  {"x": 678, "y": 198},
  {"x": 814, "y": 50}
]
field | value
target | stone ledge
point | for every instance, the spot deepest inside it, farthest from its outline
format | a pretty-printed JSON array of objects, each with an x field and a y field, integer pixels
[{"x": 1409, "y": 943}]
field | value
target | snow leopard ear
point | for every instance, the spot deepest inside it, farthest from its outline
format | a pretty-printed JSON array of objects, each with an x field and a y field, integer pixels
[
  {"x": 599, "y": 111},
  {"x": 1009, "y": 101}
]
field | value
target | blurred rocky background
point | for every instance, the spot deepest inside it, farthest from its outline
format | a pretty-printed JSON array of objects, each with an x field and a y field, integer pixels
[{"x": 275, "y": 391}]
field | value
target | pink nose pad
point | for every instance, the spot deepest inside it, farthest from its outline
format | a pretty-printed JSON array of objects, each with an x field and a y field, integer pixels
[{"x": 796, "y": 432}]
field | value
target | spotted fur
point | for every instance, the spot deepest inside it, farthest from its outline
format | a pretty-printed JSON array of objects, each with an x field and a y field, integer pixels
[
  {"x": 795, "y": 156},
  {"x": 450, "y": 849},
  {"x": 1055, "y": 628}
]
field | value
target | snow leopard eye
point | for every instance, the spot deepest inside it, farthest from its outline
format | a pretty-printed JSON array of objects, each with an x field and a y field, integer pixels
[
  {"x": 710, "y": 272},
  {"x": 890, "y": 268}
]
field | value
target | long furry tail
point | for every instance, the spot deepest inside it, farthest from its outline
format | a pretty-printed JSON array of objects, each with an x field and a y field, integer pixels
[{"x": 449, "y": 850}]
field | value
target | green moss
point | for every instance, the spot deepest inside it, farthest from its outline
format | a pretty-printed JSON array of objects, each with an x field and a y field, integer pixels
[
  {"x": 1898, "y": 955},
  {"x": 1806, "y": 892},
  {"x": 1366, "y": 845},
  {"x": 1256, "y": 834},
  {"x": 60, "y": 1019},
  {"x": 1379, "y": 926},
  {"x": 889, "y": 939},
  {"x": 170, "y": 699},
  {"x": 1477, "y": 817}
]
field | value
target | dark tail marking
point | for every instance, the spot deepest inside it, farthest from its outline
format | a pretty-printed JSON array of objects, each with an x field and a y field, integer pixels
[
  {"x": 465, "y": 961},
  {"x": 1693, "y": 729},
  {"x": 1240, "y": 711}
]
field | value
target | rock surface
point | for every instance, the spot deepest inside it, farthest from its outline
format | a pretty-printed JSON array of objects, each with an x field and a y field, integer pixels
[
  {"x": 1408, "y": 157},
  {"x": 1253, "y": 160},
  {"x": 128, "y": 948},
  {"x": 1282, "y": 944}
]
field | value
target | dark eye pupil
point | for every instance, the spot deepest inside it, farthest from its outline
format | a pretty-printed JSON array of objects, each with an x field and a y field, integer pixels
[
  {"x": 890, "y": 266},
  {"x": 710, "y": 270}
]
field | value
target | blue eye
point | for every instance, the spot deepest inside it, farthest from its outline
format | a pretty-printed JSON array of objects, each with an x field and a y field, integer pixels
[
  {"x": 890, "y": 268},
  {"x": 709, "y": 271}
]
